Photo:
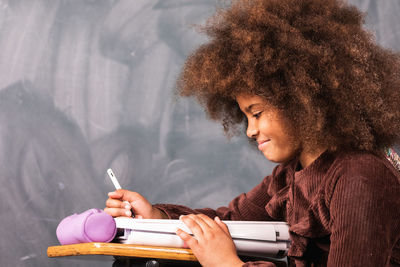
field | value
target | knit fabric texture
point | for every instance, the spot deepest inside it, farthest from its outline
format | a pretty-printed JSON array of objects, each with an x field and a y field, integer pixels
[{"x": 343, "y": 209}]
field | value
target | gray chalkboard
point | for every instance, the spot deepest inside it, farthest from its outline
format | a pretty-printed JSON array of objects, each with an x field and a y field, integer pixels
[{"x": 86, "y": 85}]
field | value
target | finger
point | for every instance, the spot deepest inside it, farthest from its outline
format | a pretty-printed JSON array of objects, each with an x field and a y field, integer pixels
[
  {"x": 222, "y": 225},
  {"x": 141, "y": 206},
  {"x": 130, "y": 196},
  {"x": 191, "y": 222},
  {"x": 115, "y": 212},
  {"x": 114, "y": 194},
  {"x": 189, "y": 240},
  {"x": 115, "y": 203},
  {"x": 125, "y": 195},
  {"x": 206, "y": 221}
]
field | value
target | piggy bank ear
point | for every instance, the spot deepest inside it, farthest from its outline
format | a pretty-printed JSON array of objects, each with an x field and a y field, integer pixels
[
  {"x": 99, "y": 227},
  {"x": 93, "y": 225}
]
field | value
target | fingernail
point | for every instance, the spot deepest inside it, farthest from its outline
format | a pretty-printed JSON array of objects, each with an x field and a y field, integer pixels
[
  {"x": 127, "y": 213},
  {"x": 128, "y": 207},
  {"x": 111, "y": 193}
]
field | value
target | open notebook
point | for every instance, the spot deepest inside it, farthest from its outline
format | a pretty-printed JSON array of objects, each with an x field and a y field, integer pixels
[{"x": 252, "y": 238}]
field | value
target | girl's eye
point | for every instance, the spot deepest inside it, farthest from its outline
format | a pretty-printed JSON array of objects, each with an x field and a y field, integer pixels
[{"x": 257, "y": 115}]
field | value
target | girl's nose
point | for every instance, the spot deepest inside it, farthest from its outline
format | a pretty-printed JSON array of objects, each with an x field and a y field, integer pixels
[{"x": 251, "y": 131}]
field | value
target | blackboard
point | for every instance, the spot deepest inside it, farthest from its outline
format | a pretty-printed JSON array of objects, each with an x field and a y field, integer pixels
[{"x": 86, "y": 85}]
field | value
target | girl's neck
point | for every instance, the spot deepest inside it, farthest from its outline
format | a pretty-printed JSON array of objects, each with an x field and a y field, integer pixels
[{"x": 309, "y": 156}]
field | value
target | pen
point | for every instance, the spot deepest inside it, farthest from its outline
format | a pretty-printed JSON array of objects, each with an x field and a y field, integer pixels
[
  {"x": 116, "y": 184},
  {"x": 113, "y": 179}
]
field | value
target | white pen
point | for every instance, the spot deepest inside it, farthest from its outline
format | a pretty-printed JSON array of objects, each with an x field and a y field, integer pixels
[
  {"x": 113, "y": 179},
  {"x": 116, "y": 184}
]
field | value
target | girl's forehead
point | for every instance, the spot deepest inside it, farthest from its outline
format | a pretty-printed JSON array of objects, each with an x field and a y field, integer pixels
[
  {"x": 246, "y": 101},
  {"x": 249, "y": 98},
  {"x": 253, "y": 103}
]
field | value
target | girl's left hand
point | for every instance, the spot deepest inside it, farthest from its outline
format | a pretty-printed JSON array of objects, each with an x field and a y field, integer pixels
[{"x": 212, "y": 244}]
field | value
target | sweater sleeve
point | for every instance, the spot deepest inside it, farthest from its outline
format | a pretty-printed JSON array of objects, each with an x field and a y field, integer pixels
[
  {"x": 365, "y": 217},
  {"x": 247, "y": 206}
]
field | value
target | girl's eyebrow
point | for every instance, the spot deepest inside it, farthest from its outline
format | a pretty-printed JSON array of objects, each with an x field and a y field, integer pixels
[{"x": 252, "y": 106}]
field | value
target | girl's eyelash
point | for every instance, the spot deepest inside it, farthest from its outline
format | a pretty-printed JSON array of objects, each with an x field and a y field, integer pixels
[{"x": 256, "y": 115}]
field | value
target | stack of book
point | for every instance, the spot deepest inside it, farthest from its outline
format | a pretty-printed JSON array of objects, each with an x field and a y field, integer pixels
[{"x": 251, "y": 238}]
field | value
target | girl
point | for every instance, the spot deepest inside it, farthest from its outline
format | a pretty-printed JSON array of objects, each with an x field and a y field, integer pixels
[{"x": 318, "y": 96}]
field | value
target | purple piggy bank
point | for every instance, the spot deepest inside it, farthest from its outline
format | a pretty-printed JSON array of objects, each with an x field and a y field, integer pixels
[{"x": 93, "y": 225}]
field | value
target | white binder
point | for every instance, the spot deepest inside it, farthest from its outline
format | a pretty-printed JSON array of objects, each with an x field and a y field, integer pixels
[{"x": 251, "y": 238}]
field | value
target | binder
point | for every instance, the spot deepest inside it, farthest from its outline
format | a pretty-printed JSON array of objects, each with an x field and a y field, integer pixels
[{"x": 251, "y": 238}]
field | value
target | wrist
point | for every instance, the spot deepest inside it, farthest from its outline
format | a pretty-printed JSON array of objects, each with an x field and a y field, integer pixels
[
  {"x": 239, "y": 263},
  {"x": 234, "y": 262},
  {"x": 159, "y": 214}
]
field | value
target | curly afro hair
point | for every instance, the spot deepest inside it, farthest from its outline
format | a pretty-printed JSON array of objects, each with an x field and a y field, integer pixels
[{"x": 311, "y": 59}]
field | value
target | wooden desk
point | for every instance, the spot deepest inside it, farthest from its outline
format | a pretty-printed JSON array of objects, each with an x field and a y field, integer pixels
[
  {"x": 133, "y": 255},
  {"x": 123, "y": 250},
  {"x": 128, "y": 255}
]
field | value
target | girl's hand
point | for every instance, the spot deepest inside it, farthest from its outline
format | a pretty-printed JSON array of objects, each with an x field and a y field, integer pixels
[
  {"x": 141, "y": 207},
  {"x": 212, "y": 244}
]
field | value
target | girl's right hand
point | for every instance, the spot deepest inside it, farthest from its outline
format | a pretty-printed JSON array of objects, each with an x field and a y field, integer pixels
[{"x": 117, "y": 205}]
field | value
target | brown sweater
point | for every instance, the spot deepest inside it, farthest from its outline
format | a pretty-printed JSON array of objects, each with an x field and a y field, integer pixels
[{"x": 343, "y": 210}]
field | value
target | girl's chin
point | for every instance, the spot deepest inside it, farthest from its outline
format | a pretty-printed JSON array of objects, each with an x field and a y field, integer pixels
[
  {"x": 275, "y": 158},
  {"x": 270, "y": 157}
]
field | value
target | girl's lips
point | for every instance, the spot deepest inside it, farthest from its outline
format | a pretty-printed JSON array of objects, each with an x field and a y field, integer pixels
[{"x": 262, "y": 144}]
